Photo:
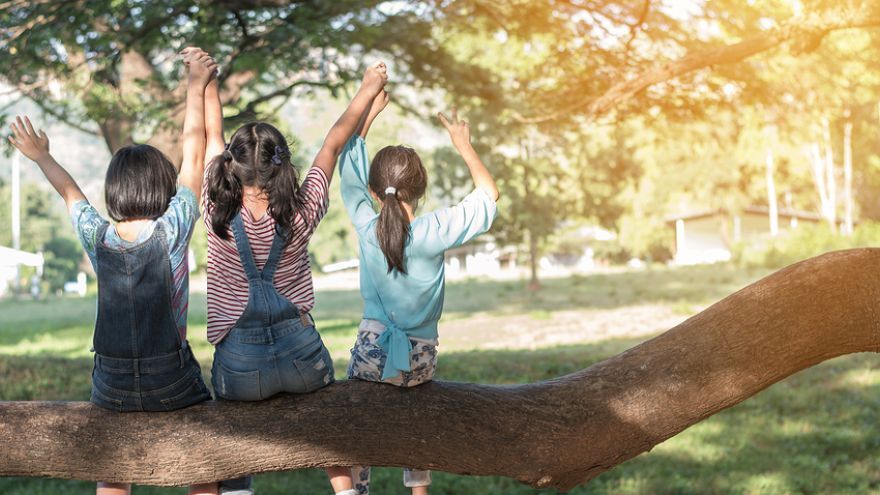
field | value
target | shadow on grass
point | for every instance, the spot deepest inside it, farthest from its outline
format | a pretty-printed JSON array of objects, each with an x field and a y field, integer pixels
[{"x": 814, "y": 432}]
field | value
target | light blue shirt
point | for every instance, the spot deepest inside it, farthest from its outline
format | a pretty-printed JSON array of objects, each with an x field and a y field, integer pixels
[{"x": 410, "y": 304}]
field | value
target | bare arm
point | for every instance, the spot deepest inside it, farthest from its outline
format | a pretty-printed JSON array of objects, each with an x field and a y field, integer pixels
[
  {"x": 379, "y": 104},
  {"x": 201, "y": 67},
  {"x": 35, "y": 145},
  {"x": 460, "y": 133},
  {"x": 342, "y": 130},
  {"x": 213, "y": 120}
]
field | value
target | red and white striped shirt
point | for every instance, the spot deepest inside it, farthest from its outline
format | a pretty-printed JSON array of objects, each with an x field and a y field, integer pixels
[{"x": 227, "y": 282}]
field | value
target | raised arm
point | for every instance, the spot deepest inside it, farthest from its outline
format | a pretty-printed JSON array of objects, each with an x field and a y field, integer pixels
[
  {"x": 201, "y": 68},
  {"x": 460, "y": 133},
  {"x": 35, "y": 145},
  {"x": 373, "y": 82},
  {"x": 213, "y": 120},
  {"x": 379, "y": 104}
]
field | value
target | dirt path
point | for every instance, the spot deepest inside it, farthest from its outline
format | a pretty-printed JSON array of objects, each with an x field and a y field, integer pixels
[{"x": 556, "y": 328}]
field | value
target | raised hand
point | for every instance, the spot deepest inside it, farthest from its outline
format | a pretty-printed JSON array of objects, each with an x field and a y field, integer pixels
[
  {"x": 459, "y": 130},
  {"x": 32, "y": 144},
  {"x": 202, "y": 67},
  {"x": 375, "y": 77}
]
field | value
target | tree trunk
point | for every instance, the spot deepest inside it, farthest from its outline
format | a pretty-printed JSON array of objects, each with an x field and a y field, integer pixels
[
  {"x": 558, "y": 433},
  {"x": 534, "y": 283},
  {"x": 772, "y": 203},
  {"x": 847, "y": 178}
]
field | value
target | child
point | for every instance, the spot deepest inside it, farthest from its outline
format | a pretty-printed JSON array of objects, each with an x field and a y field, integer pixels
[
  {"x": 401, "y": 259},
  {"x": 259, "y": 220},
  {"x": 142, "y": 360}
]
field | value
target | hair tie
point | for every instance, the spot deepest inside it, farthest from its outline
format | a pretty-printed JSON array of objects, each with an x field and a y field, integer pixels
[
  {"x": 227, "y": 155},
  {"x": 390, "y": 190},
  {"x": 279, "y": 154}
]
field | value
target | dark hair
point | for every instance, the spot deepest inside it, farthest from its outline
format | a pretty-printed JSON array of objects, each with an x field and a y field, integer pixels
[
  {"x": 398, "y": 167},
  {"x": 140, "y": 182},
  {"x": 257, "y": 155}
]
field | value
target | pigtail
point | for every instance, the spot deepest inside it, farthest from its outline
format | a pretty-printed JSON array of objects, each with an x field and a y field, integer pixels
[
  {"x": 283, "y": 192},
  {"x": 224, "y": 192},
  {"x": 392, "y": 231}
]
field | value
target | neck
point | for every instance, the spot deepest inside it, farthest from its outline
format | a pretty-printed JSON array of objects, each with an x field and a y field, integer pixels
[{"x": 129, "y": 229}]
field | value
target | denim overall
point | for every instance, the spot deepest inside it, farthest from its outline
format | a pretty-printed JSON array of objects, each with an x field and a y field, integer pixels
[
  {"x": 272, "y": 348},
  {"x": 140, "y": 362}
]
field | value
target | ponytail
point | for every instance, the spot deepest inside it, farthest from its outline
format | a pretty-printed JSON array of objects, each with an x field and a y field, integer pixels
[
  {"x": 397, "y": 175},
  {"x": 224, "y": 192},
  {"x": 392, "y": 231}
]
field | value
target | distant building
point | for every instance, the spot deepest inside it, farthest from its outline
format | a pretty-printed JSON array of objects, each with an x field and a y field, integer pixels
[
  {"x": 10, "y": 260},
  {"x": 706, "y": 236}
]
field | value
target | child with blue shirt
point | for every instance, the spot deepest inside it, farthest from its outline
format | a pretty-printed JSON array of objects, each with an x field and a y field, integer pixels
[
  {"x": 401, "y": 258},
  {"x": 142, "y": 360}
]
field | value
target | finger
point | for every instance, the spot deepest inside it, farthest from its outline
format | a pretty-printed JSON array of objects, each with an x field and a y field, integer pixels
[
  {"x": 43, "y": 135},
  {"x": 18, "y": 129},
  {"x": 464, "y": 123},
  {"x": 443, "y": 119},
  {"x": 30, "y": 127},
  {"x": 13, "y": 141}
]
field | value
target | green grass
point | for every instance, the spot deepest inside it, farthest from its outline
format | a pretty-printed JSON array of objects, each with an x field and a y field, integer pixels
[{"x": 812, "y": 433}]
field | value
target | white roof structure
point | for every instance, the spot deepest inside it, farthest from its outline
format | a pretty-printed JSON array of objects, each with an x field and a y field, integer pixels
[{"x": 14, "y": 257}]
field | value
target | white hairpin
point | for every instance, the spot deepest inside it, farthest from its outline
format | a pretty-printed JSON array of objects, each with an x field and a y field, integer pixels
[{"x": 390, "y": 190}]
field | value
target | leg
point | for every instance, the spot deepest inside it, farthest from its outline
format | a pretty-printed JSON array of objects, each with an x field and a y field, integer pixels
[
  {"x": 340, "y": 480},
  {"x": 204, "y": 489},
  {"x": 418, "y": 480},
  {"x": 113, "y": 488},
  {"x": 361, "y": 477}
]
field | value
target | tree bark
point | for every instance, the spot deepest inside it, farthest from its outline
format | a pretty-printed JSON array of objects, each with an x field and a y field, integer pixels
[{"x": 558, "y": 433}]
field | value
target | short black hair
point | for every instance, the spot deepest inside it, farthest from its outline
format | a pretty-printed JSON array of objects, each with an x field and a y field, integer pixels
[{"x": 140, "y": 183}]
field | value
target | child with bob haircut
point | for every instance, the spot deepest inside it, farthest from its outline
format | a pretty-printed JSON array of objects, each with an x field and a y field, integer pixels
[
  {"x": 142, "y": 360},
  {"x": 401, "y": 258},
  {"x": 260, "y": 218}
]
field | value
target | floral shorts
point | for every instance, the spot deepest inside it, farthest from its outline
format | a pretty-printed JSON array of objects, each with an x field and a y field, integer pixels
[{"x": 368, "y": 359}]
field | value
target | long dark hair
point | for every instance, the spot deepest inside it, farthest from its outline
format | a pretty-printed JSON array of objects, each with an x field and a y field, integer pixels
[
  {"x": 139, "y": 184},
  {"x": 257, "y": 155},
  {"x": 398, "y": 167}
]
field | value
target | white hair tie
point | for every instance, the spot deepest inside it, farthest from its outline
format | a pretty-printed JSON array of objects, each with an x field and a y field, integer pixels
[{"x": 390, "y": 190}]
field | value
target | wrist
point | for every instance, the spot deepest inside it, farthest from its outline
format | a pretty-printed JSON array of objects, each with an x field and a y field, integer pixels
[{"x": 196, "y": 86}]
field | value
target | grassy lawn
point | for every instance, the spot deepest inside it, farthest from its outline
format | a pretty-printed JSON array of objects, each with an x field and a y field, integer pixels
[{"x": 813, "y": 433}]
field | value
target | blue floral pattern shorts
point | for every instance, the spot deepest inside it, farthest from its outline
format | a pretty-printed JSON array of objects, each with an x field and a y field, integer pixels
[{"x": 368, "y": 360}]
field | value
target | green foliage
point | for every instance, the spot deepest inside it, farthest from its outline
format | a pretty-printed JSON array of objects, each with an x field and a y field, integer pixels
[
  {"x": 806, "y": 241},
  {"x": 62, "y": 258}
]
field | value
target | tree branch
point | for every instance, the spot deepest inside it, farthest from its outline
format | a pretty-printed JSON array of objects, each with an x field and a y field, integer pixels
[
  {"x": 558, "y": 433},
  {"x": 804, "y": 29}
]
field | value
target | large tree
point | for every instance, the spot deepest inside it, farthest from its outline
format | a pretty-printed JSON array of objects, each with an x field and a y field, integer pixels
[
  {"x": 558, "y": 433},
  {"x": 107, "y": 67}
]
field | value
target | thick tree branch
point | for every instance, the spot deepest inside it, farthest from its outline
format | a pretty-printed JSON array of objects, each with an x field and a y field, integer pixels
[
  {"x": 805, "y": 30},
  {"x": 557, "y": 433}
]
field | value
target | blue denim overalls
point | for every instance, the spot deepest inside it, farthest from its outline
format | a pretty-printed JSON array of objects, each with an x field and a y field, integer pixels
[
  {"x": 140, "y": 362},
  {"x": 272, "y": 348}
]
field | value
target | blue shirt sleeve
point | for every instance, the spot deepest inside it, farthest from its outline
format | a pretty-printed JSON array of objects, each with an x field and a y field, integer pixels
[
  {"x": 179, "y": 220},
  {"x": 86, "y": 223},
  {"x": 458, "y": 224},
  {"x": 354, "y": 172}
]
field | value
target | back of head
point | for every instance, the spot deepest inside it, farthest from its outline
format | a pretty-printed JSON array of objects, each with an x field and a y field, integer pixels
[
  {"x": 139, "y": 184},
  {"x": 397, "y": 176},
  {"x": 257, "y": 156}
]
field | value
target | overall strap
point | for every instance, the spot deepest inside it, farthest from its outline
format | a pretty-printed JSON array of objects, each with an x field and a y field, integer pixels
[
  {"x": 99, "y": 239},
  {"x": 244, "y": 248},
  {"x": 271, "y": 265}
]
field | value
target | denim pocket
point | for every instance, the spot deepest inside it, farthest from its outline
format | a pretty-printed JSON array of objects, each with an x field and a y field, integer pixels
[
  {"x": 236, "y": 385},
  {"x": 316, "y": 371},
  {"x": 103, "y": 401},
  {"x": 187, "y": 392}
]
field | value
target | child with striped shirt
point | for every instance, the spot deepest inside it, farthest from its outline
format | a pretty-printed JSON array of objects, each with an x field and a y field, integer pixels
[{"x": 259, "y": 219}]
